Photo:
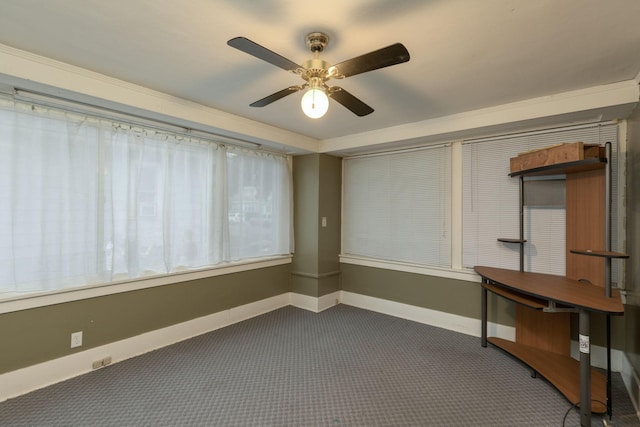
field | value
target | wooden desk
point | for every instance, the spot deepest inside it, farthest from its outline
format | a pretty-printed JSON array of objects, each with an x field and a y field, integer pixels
[{"x": 570, "y": 377}]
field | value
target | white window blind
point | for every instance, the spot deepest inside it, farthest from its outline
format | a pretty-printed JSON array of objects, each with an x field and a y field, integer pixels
[
  {"x": 491, "y": 202},
  {"x": 84, "y": 200},
  {"x": 396, "y": 206}
]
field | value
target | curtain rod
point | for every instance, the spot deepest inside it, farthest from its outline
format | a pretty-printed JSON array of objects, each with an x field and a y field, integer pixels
[{"x": 73, "y": 106}]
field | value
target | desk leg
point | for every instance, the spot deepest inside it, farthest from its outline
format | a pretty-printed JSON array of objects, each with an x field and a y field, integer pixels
[
  {"x": 609, "y": 397},
  {"x": 585, "y": 368},
  {"x": 483, "y": 336}
]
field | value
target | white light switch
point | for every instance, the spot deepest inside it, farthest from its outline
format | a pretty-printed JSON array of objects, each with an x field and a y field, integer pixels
[{"x": 324, "y": 221}]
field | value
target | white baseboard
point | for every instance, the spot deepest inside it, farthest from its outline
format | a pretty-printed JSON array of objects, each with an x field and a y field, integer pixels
[
  {"x": 315, "y": 304},
  {"x": 599, "y": 356},
  {"x": 21, "y": 381},
  {"x": 470, "y": 326},
  {"x": 466, "y": 325},
  {"x": 440, "y": 319}
]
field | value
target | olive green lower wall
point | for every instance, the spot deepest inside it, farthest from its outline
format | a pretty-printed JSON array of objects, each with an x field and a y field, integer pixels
[
  {"x": 316, "y": 285},
  {"x": 452, "y": 296},
  {"x": 41, "y": 334},
  {"x": 457, "y": 297},
  {"x": 317, "y": 188},
  {"x": 37, "y": 335},
  {"x": 632, "y": 320},
  {"x": 632, "y": 285},
  {"x": 598, "y": 326}
]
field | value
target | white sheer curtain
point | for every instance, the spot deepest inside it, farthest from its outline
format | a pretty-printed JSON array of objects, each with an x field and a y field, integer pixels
[
  {"x": 85, "y": 201},
  {"x": 48, "y": 199},
  {"x": 165, "y": 204},
  {"x": 259, "y": 203}
]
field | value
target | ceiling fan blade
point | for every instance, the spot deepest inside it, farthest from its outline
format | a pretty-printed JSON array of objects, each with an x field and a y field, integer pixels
[
  {"x": 385, "y": 57},
  {"x": 275, "y": 96},
  {"x": 349, "y": 101},
  {"x": 260, "y": 52}
]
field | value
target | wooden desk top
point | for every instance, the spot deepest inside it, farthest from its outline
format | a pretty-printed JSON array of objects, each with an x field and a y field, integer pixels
[{"x": 555, "y": 288}]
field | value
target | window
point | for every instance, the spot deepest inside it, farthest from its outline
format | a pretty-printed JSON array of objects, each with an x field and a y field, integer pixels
[
  {"x": 396, "y": 206},
  {"x": 86, "y": 201},
  {"x": 491, "y": 202},
  {"x": 259, "y": 204}
]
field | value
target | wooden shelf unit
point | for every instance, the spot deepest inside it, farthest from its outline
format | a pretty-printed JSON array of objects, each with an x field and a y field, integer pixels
[
  {"x": 564, "y": 168},
  {"x": 543, "y": 337},
  {"x": 560, "y": 159},
  {"x": 547, "y": 356}
]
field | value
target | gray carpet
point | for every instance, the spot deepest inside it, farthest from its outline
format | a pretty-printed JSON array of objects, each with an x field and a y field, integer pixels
[{"x": 342, "y": 367}]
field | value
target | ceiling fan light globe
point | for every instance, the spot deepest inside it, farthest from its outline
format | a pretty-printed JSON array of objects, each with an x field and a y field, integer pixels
[{"x": 315, "y": 103}]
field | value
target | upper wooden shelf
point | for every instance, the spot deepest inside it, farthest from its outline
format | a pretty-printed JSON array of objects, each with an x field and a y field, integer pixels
[
  {"x": 564, "y": 168},
  {"x": 603, "y": 254},
  {"x": 506, "y": 240},
  {"x": 559, "y": 159}
]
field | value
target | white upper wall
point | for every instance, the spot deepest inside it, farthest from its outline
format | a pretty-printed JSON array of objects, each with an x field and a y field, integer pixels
[{"x": 35, "y": 73}]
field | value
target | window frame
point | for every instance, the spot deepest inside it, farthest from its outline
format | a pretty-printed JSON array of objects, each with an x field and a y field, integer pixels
[
  {"x": 41, "y": 299},
  {"x": 441, "y": 199},
  {"x": 16, "y": 301},
  {"x": 457, "y": 271}
]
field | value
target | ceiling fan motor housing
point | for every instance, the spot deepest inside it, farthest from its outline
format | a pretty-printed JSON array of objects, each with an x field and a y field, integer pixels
[{"x": 315, "y": 67}]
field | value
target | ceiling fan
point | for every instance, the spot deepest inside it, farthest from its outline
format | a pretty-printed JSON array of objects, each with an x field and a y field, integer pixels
[{"x": 317, "y": 72}]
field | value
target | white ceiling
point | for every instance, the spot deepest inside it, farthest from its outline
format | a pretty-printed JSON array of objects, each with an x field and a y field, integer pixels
[{"x": 465, "y": 54}]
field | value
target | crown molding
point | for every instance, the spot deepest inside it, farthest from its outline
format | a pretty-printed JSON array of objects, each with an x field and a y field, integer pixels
[
  {"x": 606, "y": 102},
  {"x": 26, "y": 70}
]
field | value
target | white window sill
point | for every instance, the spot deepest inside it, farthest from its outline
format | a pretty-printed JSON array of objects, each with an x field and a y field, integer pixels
[
  {"x": 449, "y": 273},
  {"x": 16, "y": 302}
]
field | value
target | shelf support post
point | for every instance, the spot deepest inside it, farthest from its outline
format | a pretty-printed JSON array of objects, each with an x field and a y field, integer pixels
[
  {"x": 607, "y": 267},
  {"x": 609, "y": 396},
  {"x": 521, "y": 196},
  {"x": 585, "y": 368},
  {"x": 483, "y": 333},
  {"x": 607, "y": 221}
]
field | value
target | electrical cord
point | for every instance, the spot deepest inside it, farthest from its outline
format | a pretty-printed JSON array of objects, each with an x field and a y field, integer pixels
[
  {"x": 564, "y": 419},
  {"x": 575, "y": 405}
]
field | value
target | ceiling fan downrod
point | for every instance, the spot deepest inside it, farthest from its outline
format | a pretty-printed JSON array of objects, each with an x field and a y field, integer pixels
[{"x": 315, "y": 68}]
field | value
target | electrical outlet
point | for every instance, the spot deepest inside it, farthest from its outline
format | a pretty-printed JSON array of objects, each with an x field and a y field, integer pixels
[
  {"x": 76, "y": 339},
  {"x": 102, "y": 362}
]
